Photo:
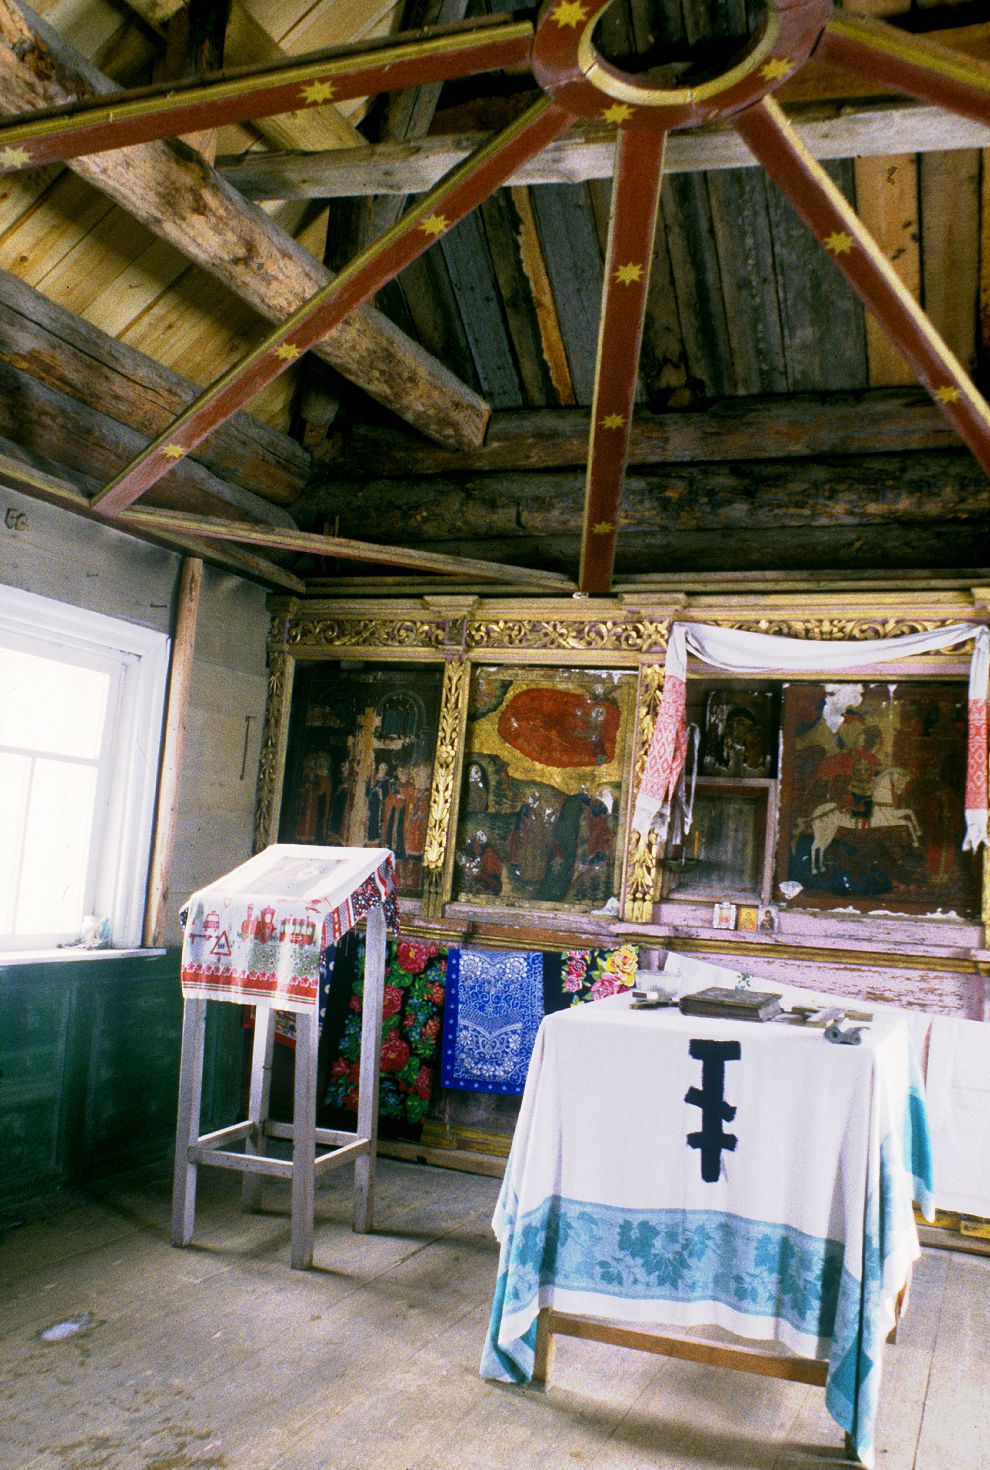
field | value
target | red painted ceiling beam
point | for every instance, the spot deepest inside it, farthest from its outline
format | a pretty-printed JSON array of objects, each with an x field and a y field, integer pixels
[
  {"x": 435, "y": 213},
  {"x": 173, "y": 109},
  {"x": 629, "y": 256},
  {"x": 906, "y": 63},
  {"x": 830, "y": 217}
]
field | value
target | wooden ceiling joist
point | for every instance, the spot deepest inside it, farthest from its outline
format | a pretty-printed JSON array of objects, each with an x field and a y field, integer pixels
[
  {"x": 33, "y": 475},
  {"x": 835, "y": 224},
  {"x": 588, "y": 152},
  {"x": 792, "y": 426},
  {"x": 419, "y": 228},
  {"x": 910, "y": 63},
  {"x": 92, "y": 446},
  {"x": 339, "y": 546},
  {"x": 70, "y": 355},
  {"x": 628, "y": 257},
  {"x": 236, "y": 95},
  {"x": 180, "y": 198}
]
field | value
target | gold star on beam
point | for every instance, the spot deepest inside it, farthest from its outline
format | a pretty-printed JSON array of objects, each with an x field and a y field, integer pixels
[
  {"x": 602, "y": 528},
  {"x": 776, "y": 67},
  {"x": 839, "y": 243},
  {"x": 570, "y": 13},
  {"x": 629, "y": 275},
  {"x": 613, "y": 421},
  {"x": 318, "y": 91},
  {"x": 14, "y": 157},
  {"x": 948, "y": 394},
  {"x": 435, "y": 224},
  {"x": 617, "y": 113},
  {"x": 173, "y": 451},
  {"x": 288, "y": 352}
]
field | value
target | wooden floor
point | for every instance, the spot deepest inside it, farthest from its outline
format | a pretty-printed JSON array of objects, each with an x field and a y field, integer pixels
[{"x": 219, "y": 1357}]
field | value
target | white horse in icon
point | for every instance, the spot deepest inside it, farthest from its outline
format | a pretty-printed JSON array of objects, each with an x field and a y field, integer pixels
[{"x": 827, "y": 820}]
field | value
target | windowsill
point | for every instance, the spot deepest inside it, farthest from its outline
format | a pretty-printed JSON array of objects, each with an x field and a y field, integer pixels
[{"x": 9, "y": 957}]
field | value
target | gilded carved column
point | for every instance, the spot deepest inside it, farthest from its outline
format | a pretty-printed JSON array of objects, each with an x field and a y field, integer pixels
[
  {"x": 438, "y": 852},
  {"x": 271, "y": 767},
  {"x": 643, "y": 849}
]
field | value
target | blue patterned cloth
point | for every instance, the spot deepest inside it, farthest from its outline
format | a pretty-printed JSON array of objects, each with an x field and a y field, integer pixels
[
  {"x": 492, "y": 1012},
  {"x": 806, "y": 1236}
]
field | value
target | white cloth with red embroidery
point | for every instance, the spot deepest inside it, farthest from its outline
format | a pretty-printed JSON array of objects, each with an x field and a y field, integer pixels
[
  {"x": 760, "y": 653},
  {"x": 257, "y": 933}
]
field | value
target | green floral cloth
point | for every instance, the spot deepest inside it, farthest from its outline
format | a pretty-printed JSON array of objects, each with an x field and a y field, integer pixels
[{"x": 415, "y": 975}]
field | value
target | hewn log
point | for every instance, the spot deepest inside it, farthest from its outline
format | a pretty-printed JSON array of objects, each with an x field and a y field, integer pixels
[
  {"x": 94, "y": 447},
  {"x": 43, "y": 479},
  {"x": 588, "y": 152},
  {"x": 733, "y": 428},
  {"x": 721, "y": 501},
  {"x": 759, "y": 548},
  {"x": 174, "y": 193},
  {"x": 68, "y": 354}
]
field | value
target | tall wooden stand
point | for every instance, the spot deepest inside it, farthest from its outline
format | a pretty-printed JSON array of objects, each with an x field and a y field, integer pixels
[{"x": 359, "y": 1148}]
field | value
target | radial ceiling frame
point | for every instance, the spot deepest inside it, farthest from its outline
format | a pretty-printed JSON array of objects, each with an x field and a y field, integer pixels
[{"x": 577, "y": 82}]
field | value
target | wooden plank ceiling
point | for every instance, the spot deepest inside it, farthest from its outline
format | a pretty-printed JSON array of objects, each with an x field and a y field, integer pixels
[{"x": 773, "y": 423}]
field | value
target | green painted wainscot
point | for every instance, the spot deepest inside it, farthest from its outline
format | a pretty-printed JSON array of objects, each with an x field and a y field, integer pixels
[{"x": 89, "y": 1065}]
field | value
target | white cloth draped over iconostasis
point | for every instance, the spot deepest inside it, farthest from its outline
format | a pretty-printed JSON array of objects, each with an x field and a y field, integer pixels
[{"x": 741, "y": 652}]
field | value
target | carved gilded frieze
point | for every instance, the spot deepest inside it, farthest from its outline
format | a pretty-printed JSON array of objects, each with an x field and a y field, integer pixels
[
  {"x": 597, "y": 635},
  {"x": 837, "y": 629},
  {"x": 272, "y": 760},
  {"x": 446, "y": 770},
  {"x": 643, "y": 852},
  {"x": 377, "y": 634}
]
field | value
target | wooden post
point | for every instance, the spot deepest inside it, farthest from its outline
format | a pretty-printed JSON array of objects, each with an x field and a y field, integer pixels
[
  {"x": 371, "y": 1044},
  {"x": 256, "y": 1143},
  {"x": 173, "y": 746},
  {"x": 304, "y": 1140},
  {"x": 187, "y": 1125},
  {"x": 544, "y": 1352}
]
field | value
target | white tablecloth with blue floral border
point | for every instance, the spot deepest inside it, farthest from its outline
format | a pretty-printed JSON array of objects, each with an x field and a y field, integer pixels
[{"x": 676, "y": 1171}]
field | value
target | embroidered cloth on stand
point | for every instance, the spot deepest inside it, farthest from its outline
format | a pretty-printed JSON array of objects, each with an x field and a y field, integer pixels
[
  {"x": 669, "y": 1170},
  {"x": 492, "y": 1012},
  {"x": 258, "y": 932}
]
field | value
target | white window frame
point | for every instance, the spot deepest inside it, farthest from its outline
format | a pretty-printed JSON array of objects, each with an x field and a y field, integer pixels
[{"x": 124, "y": 809}]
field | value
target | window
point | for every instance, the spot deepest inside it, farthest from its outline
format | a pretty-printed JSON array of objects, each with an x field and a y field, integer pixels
[{"x": 81, "y": 698}]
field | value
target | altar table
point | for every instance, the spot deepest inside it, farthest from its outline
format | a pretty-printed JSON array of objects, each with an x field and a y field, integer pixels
[{"x": 677, "y": 1171}]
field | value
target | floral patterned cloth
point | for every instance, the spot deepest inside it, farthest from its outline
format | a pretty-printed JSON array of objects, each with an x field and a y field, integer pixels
[
  {"x": 415, "y": 983},
  {"x": 592, "y": 974}
]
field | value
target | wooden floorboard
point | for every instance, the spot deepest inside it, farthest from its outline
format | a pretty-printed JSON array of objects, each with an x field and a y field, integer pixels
[{"x": 219, "y": 1357}]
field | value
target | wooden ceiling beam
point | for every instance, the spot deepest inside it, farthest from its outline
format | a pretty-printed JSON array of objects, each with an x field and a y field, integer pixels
[
  {"x": 35, "y": 476},
  {"x": 629, "y": 253},
  {"x": 343, "y": 547},
  {"x": 837, "y": 227},
  {"x": 247, "y": 43},
  {"x": 794, "y": 426},
  {"x": 428, "y": 219},
  {"x": 70, "y": 355},
  {"x": 93, "y": 446},
  {"x": 237, "y": 95},
  {"x": 174, "y": 194},
  {"x": 588, "y": 152},
  {"x": 908, "y": 63},
  {"x": 524, "y": 513}
]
